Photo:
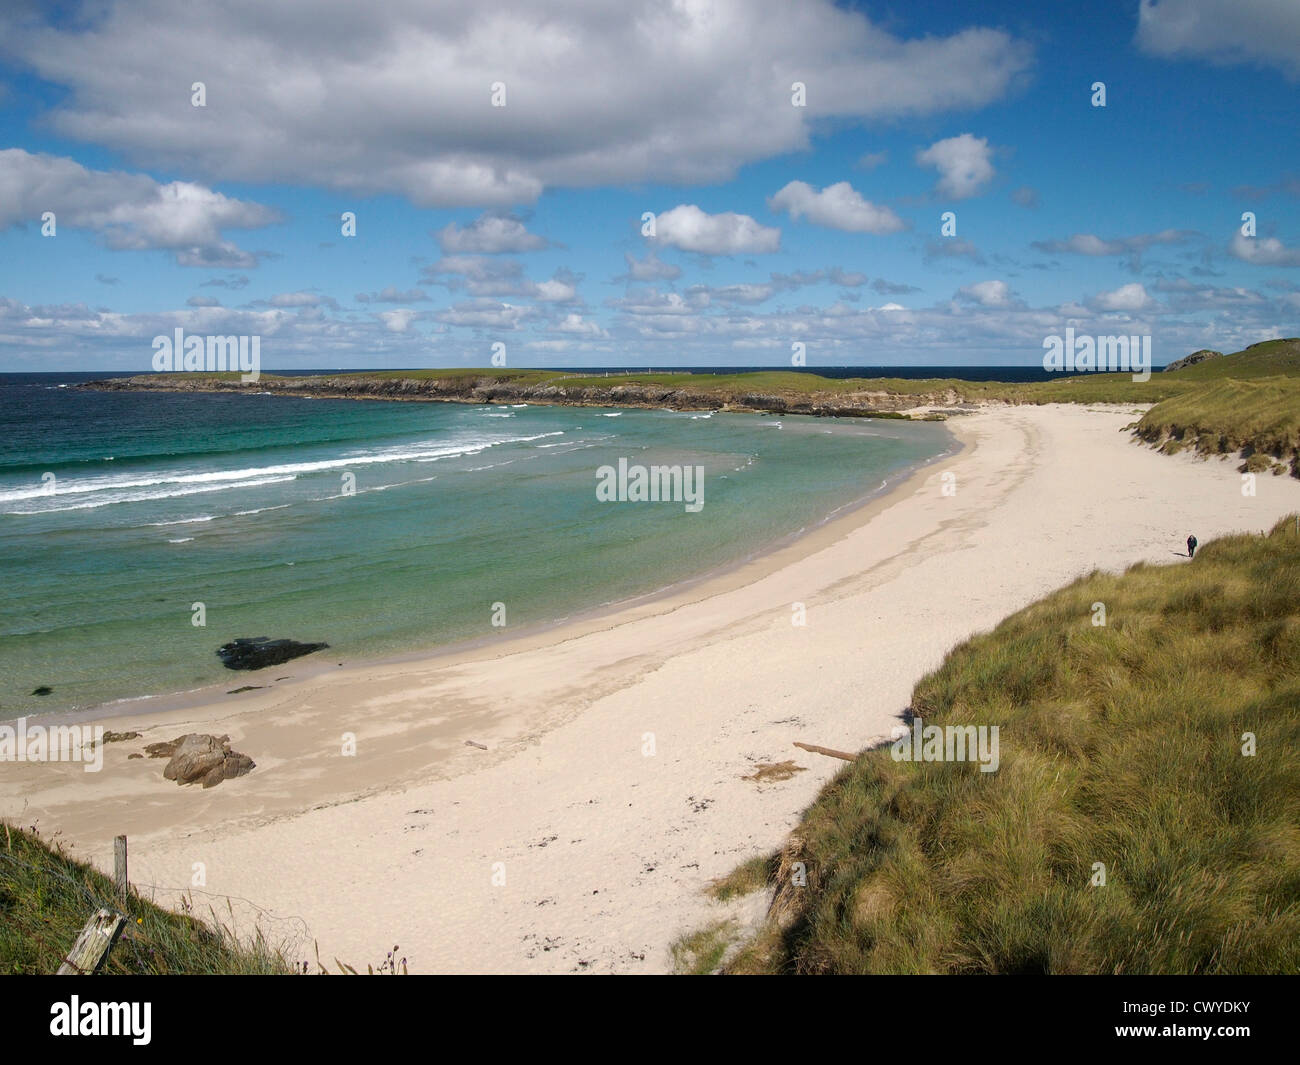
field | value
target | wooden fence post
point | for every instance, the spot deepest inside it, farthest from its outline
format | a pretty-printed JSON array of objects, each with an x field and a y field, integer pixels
[
  {"x": 91, "y": 949},
  {"x": 119, "y": 869}
]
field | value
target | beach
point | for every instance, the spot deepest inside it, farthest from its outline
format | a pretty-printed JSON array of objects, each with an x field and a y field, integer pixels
[{"x": 612, "y": 788}]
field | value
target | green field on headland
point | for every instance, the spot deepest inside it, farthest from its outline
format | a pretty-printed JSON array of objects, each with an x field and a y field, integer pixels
[
  {"x": 1144, "y": 817},
  {"x": 1247, "y": 402}
]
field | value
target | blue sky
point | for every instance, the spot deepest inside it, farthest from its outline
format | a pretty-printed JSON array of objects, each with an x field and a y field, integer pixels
[{"x": 521, "y": 224}]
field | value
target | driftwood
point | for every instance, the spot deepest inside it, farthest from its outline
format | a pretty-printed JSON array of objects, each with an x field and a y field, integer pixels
[{"x": 827, "y": 751}]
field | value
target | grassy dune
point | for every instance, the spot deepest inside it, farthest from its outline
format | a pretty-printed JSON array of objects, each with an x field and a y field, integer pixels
[
  {"x": 47, "y": 897},
  {"x": 1120, "y": 745}
]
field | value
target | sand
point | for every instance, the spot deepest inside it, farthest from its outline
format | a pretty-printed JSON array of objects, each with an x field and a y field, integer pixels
[{"x": 612, "y": 790}]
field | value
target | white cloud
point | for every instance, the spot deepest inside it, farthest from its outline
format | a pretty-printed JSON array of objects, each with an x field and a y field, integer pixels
[
  {"x": 576, "y": 325},
  {"x": 987, "y": 293},
  {"x": 837, "y": 206},
  {"x": 1263, "y": 32},
  {"x": 484, "y": 314},
  {"x": 395, "y": 98},
  {"x": 690, "y": 229},
  {"x": 1130, "y": 297},
  {"x": 397, "y": 321},
  {"x": 554, "y": 291},
  {"x": 128, "y": 211},
  {"x": 964, "y": 165},
  {"x": 489, "y": 235},
  {"x": 1263, "y": 251},
  {"x": 652, "y": 302}
]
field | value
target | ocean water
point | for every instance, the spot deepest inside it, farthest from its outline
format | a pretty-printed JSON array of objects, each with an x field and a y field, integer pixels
[{"x": 377, "y": 527}]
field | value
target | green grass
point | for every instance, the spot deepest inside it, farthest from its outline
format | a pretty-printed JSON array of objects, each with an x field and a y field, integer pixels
[
  {"x": 1266, "y": 359},
  {"x": 1120, "y": 745},
  {"x": 701, "y": 953},
  {"x": 47, "y": 897},
  {"x": 744, "y": 879},
  {"x": 1225, "y": 416}
]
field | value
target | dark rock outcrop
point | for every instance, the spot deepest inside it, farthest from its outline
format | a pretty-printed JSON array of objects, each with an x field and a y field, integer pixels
[
  {"x": 200, "y": 758},
  {"x": 1193, "y": 359},
  {"x": 259, "y": 651}
]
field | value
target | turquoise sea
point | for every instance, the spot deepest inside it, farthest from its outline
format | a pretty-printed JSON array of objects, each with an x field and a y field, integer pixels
[{"x": 160, "y": 502}]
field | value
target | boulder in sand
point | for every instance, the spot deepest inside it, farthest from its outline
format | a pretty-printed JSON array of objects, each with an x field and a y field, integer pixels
[{"x": 200, "y": 758}]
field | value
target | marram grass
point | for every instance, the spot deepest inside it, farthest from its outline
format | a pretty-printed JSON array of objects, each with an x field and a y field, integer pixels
[
  {"x": 46, "y": 897},
  {"x": 1121, "y": 746}
]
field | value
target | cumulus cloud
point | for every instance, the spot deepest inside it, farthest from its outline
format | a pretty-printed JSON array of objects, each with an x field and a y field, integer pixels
[
  {"x": 1263, "y": 251},
  {"x": 1130, "y": 297},
  {"x": 396, "y": 98},
  {"x": 964, "y": 163},
  {"x": 1025, "y": 196},
  {"x": 489, "y": 235},
  {"x": 397, "y": 321},
  {"x": 1261, "y": 32},
  {"x": 484, "y": 314},
  {"x": 576, "y": 325},
  {"x": 690, "y": 229},
  {"x": 128, "y": 211},
  {"x": 837, "y": 206},
  {"x": 987, "y": 293}
]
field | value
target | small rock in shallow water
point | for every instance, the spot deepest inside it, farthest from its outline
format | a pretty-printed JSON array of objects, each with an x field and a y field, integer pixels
[{"x": 259, "y": 651}]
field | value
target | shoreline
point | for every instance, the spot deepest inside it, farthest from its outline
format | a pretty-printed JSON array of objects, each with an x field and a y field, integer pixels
[
  {"x": 606, "y": 839},
  {"x": 711, "y": 581}
]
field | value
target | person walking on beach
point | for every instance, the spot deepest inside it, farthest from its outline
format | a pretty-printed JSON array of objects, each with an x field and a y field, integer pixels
[{"x": 1191, "y": 547}]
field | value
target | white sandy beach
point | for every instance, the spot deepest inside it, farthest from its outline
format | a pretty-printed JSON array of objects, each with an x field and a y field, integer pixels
[{"x": 606, "y": 849}]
